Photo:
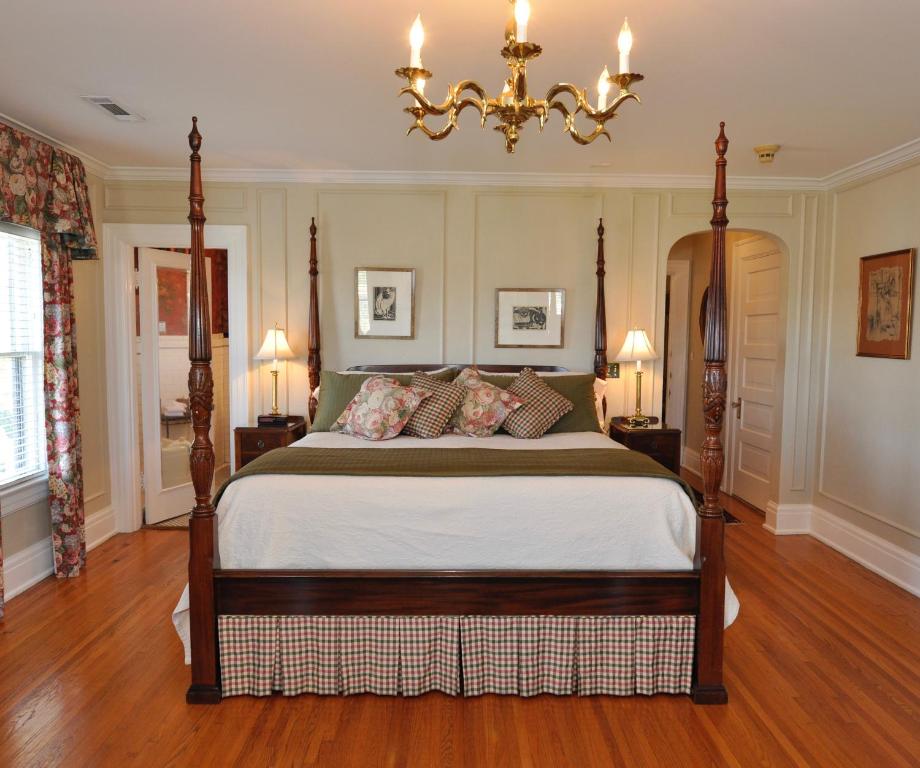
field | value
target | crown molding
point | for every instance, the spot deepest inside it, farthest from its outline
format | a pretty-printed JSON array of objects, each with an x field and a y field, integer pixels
[
  {"x": 92, "y": 165},
  {"x": 462, "y": 179},
  {"x": 886, "y": 162}
]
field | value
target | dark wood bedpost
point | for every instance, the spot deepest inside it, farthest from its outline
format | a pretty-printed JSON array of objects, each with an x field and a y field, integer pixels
[
  {"x": 708, "y": 687},
  {"x": 600, "y": 310},
  {"x": 314, "y": 361},
  {"x": 205, "y": 687}
]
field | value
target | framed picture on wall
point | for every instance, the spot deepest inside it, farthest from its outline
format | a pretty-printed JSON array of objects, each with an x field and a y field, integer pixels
[
  {"x": 384, "y": 303},
  {"x": 886, "y": 288},
  {"x": 529, "y": 317}
]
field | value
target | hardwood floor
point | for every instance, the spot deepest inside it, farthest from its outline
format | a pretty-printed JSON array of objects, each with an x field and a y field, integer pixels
[{"x": 822, "y": 669}]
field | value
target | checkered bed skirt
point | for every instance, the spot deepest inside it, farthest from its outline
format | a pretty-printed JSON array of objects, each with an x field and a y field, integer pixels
[{"x": 468, "y": 655}]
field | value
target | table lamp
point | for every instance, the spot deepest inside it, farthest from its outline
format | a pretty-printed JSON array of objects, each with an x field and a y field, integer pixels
[
  {"x": 635, "y": 349},
  {"x": 274, "y": 348}
]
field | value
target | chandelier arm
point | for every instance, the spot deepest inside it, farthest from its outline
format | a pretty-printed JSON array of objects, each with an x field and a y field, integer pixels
[
  {"x": 443, "y": 133},
  {"x": 580, "y": 138},
  {"x": 606, "y": 114},
  {"x": 424, "y": 103}
]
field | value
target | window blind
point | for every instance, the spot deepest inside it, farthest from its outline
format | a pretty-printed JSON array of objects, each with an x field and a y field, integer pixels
[{"x": 22, "y": 401}]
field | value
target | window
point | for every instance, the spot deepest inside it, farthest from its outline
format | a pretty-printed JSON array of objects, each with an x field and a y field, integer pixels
[{"x": 22, "y": 398}]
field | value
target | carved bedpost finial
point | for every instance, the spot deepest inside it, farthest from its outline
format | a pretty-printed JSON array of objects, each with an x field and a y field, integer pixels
[
  {"x": 194, "y": 138},
  {"x": 600, "y": 310}
]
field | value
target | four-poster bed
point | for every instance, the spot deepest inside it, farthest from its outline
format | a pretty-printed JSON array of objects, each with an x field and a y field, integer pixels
[{"x": 214, "y": 591}]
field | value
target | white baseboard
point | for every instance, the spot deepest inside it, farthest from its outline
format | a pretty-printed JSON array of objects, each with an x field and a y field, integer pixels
[
  {"x": 690, "y": 460},
  {"x": 787, "y": 519},
  {"x": 888, "y": 560},
  {"x": 99, "y": 527},
  {"x": 25, "y": 569},
  {"x": 882, "y": 557}
]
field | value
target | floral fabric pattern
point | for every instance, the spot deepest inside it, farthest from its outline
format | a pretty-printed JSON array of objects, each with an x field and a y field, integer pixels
[
  {"x": 485, "y": 406},
  {"x": 380, "y": 410},
  {"x": 45, "y": 188}
]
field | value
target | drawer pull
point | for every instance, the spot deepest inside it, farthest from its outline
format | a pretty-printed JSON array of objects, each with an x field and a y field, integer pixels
[{"x": 260, "y": 444}]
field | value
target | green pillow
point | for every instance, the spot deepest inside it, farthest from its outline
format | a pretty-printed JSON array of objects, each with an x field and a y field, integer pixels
[
  {"x": 337, "y": 390},
  {"x": 579, "y": 388}
]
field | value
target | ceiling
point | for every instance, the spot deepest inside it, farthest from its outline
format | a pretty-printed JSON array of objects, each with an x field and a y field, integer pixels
[{"x": 303, "y": 84}]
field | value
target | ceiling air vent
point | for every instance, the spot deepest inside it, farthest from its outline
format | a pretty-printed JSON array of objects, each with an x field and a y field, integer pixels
[{"x": 115, "y": 110}]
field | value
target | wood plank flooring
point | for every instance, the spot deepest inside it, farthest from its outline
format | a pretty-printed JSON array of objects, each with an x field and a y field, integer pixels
[{"x": 822, "y": 669}]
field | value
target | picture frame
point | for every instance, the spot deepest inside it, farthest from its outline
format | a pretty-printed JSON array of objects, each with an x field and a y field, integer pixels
[
  {"x": 529, "y": 318},
  {"x": 384, "y": 303},
  {"x": 886, "y": 289}
]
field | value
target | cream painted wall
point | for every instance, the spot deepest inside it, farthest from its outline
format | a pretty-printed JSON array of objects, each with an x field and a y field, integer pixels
[
  {"x": 868, "y": 465},
  {"x": 32, "y": 524},
  {"x": 464, "y": 243}
]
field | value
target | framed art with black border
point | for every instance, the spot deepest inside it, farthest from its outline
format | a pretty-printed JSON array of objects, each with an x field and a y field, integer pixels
[
  {"x": 529, "y": 317},
  {"x": 384, "y": 303}
]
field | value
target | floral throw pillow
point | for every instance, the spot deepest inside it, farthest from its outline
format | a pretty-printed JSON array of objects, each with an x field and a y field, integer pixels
[
  {"x": 380, "y": 410},
  {"x": 484, "y": 408}
]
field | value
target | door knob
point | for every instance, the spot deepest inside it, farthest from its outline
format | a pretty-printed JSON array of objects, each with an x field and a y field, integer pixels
[{"x": 737, "y": 405}]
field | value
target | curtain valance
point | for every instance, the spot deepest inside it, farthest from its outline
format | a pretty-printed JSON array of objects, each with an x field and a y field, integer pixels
[{"x": 44, "y": 188}]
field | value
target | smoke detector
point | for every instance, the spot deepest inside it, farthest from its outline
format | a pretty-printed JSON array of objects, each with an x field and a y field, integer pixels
[
  {"x": 113, "y": 109},
  {"x": 766, "y": 152}
]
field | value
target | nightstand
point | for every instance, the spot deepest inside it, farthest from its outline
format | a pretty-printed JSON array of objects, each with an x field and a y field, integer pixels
[
  {"x": 657, "y": 440},
  {"x": 252, "y": 442}
]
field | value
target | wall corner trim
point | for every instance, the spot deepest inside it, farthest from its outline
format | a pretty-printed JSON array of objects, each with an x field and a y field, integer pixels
[
  {"x": 787, "y": 519},
  {"x": 891, "y": 562},
  {"x": 24, "y": 569}
]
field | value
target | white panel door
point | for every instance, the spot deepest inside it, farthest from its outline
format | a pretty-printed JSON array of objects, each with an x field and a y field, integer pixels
[
  {"x": 756, "y": 382},
  {"x": 678, "y": 345},
  {"x": 167, "y": 434}
]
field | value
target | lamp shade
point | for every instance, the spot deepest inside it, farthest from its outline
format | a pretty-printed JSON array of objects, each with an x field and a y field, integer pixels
[
  {"x": 636, "y": 347},
  {"x": 275, "y": 346}
]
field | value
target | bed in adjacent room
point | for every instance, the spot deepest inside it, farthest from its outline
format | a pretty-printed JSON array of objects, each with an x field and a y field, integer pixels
[{"x": 561, "y": 564}]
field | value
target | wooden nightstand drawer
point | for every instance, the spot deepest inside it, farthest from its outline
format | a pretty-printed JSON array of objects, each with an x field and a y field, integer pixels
[
  {"x": 658, "y": 442},
  {"x": 262, "y": 440},
  {"x": 252, "y": 442}
]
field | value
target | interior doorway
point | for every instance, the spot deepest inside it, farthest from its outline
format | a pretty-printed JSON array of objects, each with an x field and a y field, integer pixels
[
  {"x": 756, "y": 294},
  {"x": 164, "y": 422}
]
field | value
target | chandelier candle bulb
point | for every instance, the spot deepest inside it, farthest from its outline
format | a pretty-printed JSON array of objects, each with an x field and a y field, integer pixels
[
  {"x": 624, "y": 44},
  {"x": 603, "y": 88},
  {"x": 416, "y": 39},
  {"x": 521, "y": 17}
]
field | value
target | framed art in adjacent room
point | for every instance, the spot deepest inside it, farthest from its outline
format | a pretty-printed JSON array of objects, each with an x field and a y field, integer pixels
[
  {"x": 886, "y": 287},
  {"x": 529, "y": 317},
  {"x": 384, "y": 303}
]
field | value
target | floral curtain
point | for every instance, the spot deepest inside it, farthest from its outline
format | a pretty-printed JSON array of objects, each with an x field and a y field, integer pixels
[{"x": 45, "y": 188}]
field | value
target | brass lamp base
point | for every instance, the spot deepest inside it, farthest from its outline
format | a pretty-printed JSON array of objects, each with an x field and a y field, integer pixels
[{"x": 638, "y": 420}]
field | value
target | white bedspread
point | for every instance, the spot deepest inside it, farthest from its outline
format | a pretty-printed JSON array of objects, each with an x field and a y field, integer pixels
[{"x": 335, "y": 521}]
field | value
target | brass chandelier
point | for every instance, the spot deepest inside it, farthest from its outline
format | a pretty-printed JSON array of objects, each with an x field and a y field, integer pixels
[{"x": 515, "y": 106}]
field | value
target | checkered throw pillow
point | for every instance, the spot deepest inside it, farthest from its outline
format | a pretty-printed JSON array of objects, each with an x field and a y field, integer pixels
[
  {"x": 431, "y": 417},
  {"x": 543, "y": 406}
]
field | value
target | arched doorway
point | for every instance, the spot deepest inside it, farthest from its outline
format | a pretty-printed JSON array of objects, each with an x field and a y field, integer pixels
[{"x": 756, "y": 288}]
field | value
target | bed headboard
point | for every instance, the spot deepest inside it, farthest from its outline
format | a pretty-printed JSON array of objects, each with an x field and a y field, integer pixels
[
  {"x": 410, "y": 368},
  {"x": 314, "y": 365}
]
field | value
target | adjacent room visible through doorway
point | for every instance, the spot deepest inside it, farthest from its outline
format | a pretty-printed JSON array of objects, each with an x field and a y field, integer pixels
[
  {"x": 165, "y": 430},
  {"x": 756, "y": 283}
]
